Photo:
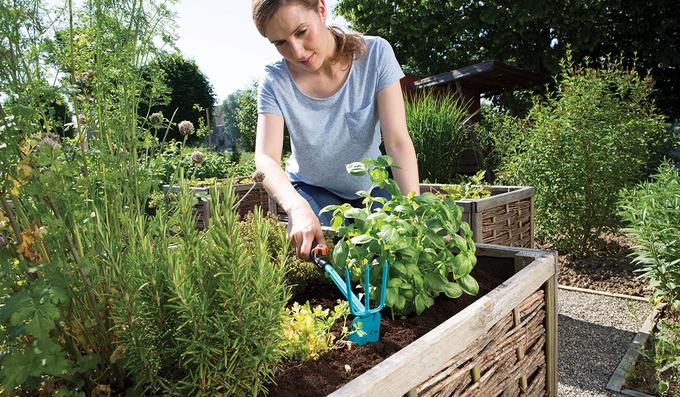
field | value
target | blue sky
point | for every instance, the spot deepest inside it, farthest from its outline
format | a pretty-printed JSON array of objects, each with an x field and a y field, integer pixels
[{"x": 221, "y": 37}]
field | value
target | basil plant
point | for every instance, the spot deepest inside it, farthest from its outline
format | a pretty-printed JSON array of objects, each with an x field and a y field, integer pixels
[{"x": 428, "y": 247}]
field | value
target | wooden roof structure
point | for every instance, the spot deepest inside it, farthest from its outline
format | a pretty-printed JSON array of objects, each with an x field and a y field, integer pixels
[{"x": 486, "y": 77}]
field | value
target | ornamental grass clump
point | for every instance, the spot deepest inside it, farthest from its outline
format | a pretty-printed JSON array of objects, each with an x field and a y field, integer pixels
[
  {"x": 437, "y": 125},
  {"x": 428, "y": 247}
]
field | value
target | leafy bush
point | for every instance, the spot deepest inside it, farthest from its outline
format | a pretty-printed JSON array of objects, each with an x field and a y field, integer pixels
[
  {"x": 597, "y": 134},
  {"x": 651, "y": 211},
  {"x": 246, "y": 119},
  {"x": 498, "y": 132},
  {"x": 436, "y": 124},
  {"x": 428, "y": 247}
]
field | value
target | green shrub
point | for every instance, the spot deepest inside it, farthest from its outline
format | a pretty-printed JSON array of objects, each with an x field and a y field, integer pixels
[
  {"x": 498, "y": 132},
  {"x": 436, "y": 124},
  {"x": 246, "y": 117},
  {"x": 598, "y": 133},
  {"x": 651, "y": 211}
]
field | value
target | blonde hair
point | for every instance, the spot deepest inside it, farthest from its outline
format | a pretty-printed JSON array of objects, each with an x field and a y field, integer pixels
[{"x": 347, "y": 44}]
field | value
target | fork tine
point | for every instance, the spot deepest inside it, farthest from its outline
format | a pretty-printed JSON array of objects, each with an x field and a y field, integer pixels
[{"x": 367, "y": 288}]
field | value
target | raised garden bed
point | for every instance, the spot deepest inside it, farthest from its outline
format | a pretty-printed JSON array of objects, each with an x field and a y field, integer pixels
[
  {"x": 505, "y": 218},
  {"x": 249, "y": 194},
  {"x": 501, "y": 342}
]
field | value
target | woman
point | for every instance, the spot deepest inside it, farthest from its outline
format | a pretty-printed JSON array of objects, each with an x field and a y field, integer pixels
[{"x": 335, "y": 92}]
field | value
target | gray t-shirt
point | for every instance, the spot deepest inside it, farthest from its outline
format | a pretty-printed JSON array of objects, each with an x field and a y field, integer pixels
[{"x": 327, "y": 133}]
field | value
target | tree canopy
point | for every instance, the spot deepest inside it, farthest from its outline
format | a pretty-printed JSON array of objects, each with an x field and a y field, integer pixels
[
  {"x": 435, "y": 36},
  {"x": 229, "y": 106},
  {"x": 188, "y": 87}
]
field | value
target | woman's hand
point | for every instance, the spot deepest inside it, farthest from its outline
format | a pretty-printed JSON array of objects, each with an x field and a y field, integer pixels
[{"x": 304, "y": 228}]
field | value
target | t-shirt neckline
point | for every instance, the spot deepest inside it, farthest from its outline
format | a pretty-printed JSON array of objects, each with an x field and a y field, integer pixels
[{"x": 335, "y": 94}]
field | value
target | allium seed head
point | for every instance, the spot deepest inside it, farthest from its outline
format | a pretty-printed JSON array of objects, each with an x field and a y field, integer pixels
[
  {"x": 156, "y": 118},
  {"x": 186, "y": 128},
  {"x": 258, "y": 176},
  {"x": 197, "y": 157},
  {"x": 50, "y": 139}
]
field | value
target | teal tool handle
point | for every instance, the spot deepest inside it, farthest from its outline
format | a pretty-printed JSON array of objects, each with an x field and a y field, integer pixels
[{"x": 319, "y": 257}]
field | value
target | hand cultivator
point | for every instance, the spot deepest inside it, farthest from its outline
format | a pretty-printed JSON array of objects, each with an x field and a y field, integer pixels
[{"x": 366, "y": 323}]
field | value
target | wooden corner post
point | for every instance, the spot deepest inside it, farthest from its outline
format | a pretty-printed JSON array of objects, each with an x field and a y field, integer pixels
[{"x": 551, "y": 332}]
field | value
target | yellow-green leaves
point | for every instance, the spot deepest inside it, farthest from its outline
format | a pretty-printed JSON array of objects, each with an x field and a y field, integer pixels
[
  {"x": 307, "y": 331},
  {"x": 471, "y": 188}
]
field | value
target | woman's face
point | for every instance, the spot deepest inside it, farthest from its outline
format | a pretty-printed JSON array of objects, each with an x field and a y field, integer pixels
[{"x": 300, "y": 35}]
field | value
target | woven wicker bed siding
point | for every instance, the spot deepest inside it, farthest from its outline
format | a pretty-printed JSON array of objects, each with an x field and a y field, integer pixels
[
  {"x": 507, "y": 361},
  {"x": 508, "y": 224},
  {"x": 257, "y": 196},
  {"x": 505, "y": 218}
]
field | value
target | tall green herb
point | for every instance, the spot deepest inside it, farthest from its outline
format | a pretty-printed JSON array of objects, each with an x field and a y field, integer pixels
[{"x": 202, "y": 310}]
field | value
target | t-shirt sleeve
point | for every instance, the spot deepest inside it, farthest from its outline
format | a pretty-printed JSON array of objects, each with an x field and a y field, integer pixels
[
  {"x": 266, "y": 97},
  {"x": 389, "y": 69}
]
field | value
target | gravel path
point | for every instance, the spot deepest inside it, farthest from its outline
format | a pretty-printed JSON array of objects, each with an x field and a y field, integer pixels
[{"x": 594, "y": 333}]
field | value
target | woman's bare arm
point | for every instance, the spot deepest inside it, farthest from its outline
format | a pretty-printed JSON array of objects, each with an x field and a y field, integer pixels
[{"x": 398, "y": 143}]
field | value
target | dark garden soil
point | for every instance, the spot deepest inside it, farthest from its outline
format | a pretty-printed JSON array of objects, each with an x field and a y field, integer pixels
[
  {"x": 609, "y": 269},
  {"x": 329, "y": 372}
]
